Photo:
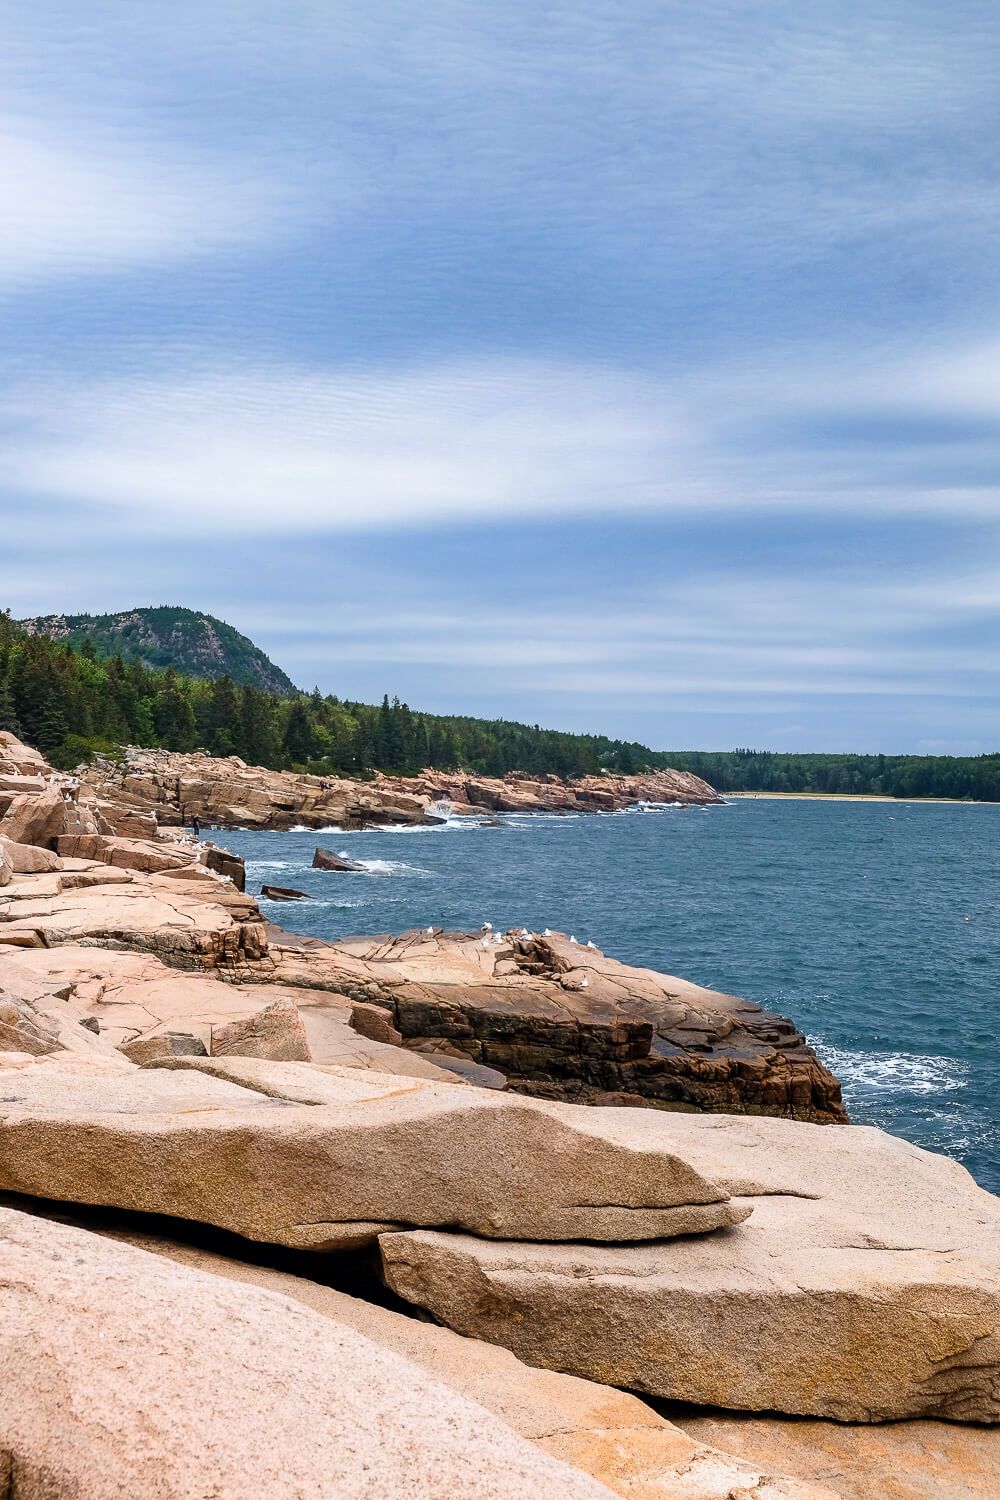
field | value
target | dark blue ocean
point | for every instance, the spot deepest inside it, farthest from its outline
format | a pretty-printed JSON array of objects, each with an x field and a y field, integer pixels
[{"x": 874, "y": 926}]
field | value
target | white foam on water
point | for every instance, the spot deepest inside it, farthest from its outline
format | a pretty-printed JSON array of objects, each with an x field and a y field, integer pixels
[
  {"x": 391, "y": 867},
  {"x": 898, "y": 1073},
  {"x": 272, "y": 864}
]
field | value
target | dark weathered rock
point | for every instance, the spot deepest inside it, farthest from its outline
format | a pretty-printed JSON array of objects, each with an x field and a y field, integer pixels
[
  {"x": 151, "y": 1048},
  {"x": 325, "y": 859},
  {"x": 223, "y": 863},
  {"x": 283, "y": 893}
]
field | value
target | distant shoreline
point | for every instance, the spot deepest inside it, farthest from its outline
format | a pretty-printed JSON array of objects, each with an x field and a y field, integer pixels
[{"x": 852, "y": 797}]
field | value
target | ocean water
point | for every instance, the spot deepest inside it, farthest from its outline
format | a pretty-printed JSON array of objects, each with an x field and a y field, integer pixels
[{"x": 874, "y": 926}]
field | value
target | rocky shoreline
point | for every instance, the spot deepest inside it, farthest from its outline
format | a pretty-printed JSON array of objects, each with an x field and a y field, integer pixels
[
  {"x": 189, "y": 1094},
  {"x": 227, "y": 793}
]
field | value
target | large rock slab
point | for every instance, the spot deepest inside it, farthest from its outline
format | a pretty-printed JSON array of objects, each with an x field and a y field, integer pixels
[
  {"x": 865, "y": 1286},
  {"x": 372, "y": 1150},
  {"x": 124, "y": 1374},
  {"x": 609, "y": 1434},
  {"x": 28, "y": 859},
  {"x": 562, "y": 1020}
]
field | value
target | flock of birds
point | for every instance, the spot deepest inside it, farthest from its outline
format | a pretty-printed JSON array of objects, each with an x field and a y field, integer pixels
[{"x": 489, "y": 938}]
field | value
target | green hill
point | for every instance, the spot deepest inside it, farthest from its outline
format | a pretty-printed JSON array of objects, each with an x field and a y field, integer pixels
[{"x": 194, "y": 644}]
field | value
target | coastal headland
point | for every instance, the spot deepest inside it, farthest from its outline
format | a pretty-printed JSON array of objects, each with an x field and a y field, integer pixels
[{"x": 194, "y": 1102}]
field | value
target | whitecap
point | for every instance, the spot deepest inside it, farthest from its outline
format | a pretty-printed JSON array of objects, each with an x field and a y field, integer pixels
[{"x": 886, "y": 1073}]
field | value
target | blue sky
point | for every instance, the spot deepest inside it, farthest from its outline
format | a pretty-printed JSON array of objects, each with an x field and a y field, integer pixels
[{"x": 632, "y": 368}]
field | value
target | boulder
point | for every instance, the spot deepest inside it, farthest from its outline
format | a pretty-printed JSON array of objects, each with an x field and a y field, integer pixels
[
  {"x": 864, "y": 1287},
  {"x": 159, "y": 1044},
  {"x": 368, "y": 1150},
  {"x": 373, "y": 1022},
  {"x": 325, "y": 859},
  {"x": 231, "y": 866},
  {"x": 34, "y": 819},
  {"x": 283, "y": 893},
  {"x": 125, "y": 1374},
  {"x": 6, "y": 863},
  {"x": 276, "y": 1033},
  {"x": 28, "y": 859}
]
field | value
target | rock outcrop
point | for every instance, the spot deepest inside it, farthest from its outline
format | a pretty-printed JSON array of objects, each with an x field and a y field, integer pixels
[
  {"x": 864, "y": 1287},
  {"x": 228, "y": 793},
  {"x": 366, "y": 1152},
  {"x": 164, "y": 1051},
  {"x": 125, "y": 1374},
  {"x": 609, "y": 1434},
  {"x": 562, "y": 1020}
]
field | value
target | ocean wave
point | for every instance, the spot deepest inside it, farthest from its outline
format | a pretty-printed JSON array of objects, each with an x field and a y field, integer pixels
[
  {"x": 899, "y": 1073},
  {"x": 390, "y": 867}
]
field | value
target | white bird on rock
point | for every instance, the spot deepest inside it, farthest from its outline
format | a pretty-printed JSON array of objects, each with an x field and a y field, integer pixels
[
  {"x": 486, "y": 927},
  {"x": 573, "y": 940},
  {"x": 591, "y": 943},
  {"x": 430, "y": 932},
  {"x": 547, "y": 932},
  {"x": 584, "y": 982},
  {"x": 525, "y": 933}
]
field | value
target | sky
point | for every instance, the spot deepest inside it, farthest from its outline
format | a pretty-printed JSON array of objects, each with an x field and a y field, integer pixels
[{"x": 622, "y": 368}]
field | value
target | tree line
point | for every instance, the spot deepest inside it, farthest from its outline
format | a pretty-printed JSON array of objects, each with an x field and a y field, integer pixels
[
  {"x": 976, "y": 778},
  {"x": 72, "y": 703}
]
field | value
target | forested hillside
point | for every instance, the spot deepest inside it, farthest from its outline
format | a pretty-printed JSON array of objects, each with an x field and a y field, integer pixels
[
  {"x": 71, "y": 702},
  {"x": 167, "y": 636}
]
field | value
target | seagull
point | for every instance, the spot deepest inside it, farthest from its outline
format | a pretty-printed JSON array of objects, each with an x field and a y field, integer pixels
[
  {"x": 430, "y": 932},
  {"x": 584, "y": 982},
  {"x": 573, "y": 940},
  {"x": 547, "y": 932},
  {"x": 591, "y": 943},
  {"x": 525, "y": 933},
  {"x": 484, "y": 942},
  {"x": 498, "y": 937}
]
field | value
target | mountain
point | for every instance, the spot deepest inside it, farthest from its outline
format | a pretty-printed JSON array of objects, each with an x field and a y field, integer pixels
[{"x": 197, "y": 645}]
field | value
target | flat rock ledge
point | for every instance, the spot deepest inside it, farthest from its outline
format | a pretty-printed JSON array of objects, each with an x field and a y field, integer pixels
[
  {"x": 320, "y": 1158},
  {"x": 865, "y": 1286}
]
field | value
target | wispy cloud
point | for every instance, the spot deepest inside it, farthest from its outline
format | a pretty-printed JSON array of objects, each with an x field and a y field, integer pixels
[{"x": 282, "y": 448}]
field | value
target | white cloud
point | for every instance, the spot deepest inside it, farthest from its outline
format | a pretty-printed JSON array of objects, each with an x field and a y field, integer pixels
[
  {"x": 277, "y": 448},
  {"x": 78, "y": 198}
]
